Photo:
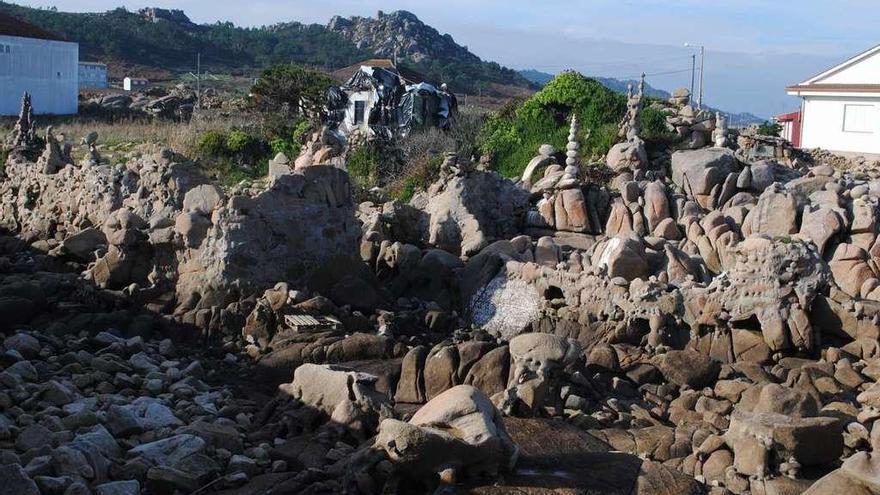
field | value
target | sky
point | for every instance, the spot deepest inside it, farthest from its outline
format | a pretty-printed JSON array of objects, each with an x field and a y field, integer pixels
[{"x": 754, "y": 48}]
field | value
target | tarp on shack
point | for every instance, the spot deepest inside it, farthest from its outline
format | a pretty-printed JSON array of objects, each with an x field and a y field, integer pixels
[{"x": 392, "y": 105}]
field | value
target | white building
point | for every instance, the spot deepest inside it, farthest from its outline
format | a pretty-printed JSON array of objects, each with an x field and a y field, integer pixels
[
  {"x": 841, "y": 106},
  {"x": 92, "y": 75},
  {"x": 135, "y": 83},
  {"x": 38, "y": 62}
]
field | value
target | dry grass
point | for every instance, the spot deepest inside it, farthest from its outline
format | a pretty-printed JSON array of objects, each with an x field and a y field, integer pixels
[
  {"x": 181, "y": 137},
  {"x": 125, "y": 134}
]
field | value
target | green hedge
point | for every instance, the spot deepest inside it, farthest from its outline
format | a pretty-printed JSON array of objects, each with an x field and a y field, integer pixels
[{"x": 513, "y": 135}]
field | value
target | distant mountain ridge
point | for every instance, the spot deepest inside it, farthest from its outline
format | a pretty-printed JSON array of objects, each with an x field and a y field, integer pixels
[{"x": 735, "y": 119}]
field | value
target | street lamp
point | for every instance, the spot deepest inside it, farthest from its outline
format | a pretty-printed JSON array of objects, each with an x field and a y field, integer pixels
[{"x": 702, "y": 67}]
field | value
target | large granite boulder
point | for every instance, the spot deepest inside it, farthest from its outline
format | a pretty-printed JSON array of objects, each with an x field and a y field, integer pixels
[
  {"x": 698, "y": 171},
  {"x": 459, "y": 429},
  {"x": 465, "y": 213}
]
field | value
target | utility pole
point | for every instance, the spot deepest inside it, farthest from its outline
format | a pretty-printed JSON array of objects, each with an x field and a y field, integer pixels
[
  {"x": 199, "y": 81},
  {"x": 693, "y": 71},
  {"x": 702, "y": 74},
  {"x": 702, "y": 70}
]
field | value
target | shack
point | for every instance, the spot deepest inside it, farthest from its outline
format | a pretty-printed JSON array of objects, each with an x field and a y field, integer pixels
[{"x": 378, "y": 98}]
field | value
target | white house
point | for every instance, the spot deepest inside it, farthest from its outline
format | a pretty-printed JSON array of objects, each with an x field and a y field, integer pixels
[
  {"x": 92, "y": 75},
  {"x": 841, "y": 106},
  {"x": 38, "y": 62},
  {"x": 135, "y": 83}
]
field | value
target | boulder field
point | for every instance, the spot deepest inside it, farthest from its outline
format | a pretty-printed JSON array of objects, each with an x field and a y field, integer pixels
[{"x": 707, "y": 322}]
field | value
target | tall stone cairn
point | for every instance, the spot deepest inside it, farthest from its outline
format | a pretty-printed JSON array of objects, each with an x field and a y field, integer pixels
[
  {"x": 24, "y": 128},
  {"x": 573, "y": 154}
]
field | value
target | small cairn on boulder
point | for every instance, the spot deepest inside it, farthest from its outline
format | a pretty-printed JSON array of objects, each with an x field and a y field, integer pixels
[
  {"x": 56, "y": 154},
  {"x": 630, "y": 155},
  {"x": 694, "y": 127},
  {"x": 91, "y": 140},
  {"x": 719, "y": 135}
]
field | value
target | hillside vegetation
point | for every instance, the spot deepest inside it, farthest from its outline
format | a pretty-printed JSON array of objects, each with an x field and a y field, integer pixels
[
  {"x": 514, "y": 134},
  {"x": 121, "y": 37},
  {"x": 128, "y": 37}
]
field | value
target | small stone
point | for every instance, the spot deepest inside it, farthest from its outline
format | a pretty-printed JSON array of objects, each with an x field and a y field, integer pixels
[
  {"x": 243, "y": 464},
  {"x": 16, "y": 481},
  {"x": 129, "y": 487}
]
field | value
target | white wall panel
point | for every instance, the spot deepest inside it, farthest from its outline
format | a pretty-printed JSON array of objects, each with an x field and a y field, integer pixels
[{"x": 48, "y": 70}]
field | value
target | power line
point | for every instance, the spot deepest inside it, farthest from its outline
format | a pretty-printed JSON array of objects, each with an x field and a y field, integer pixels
[
  {"x": 677, "y": 71},
  {"x": 630, "y": 61}
]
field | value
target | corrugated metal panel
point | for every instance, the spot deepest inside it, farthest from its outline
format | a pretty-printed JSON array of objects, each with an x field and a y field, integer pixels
[
  {"x": 301, "y": 320},
  {"x": 48, "y": 70}
]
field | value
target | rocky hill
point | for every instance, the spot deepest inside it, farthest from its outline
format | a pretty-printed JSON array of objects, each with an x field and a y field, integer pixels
[
  {"x": 155, "y": 40},
  {"x": 402, "y": 36}
]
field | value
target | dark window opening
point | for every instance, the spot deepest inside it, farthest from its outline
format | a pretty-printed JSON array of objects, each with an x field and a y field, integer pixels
[{"x": 360, "y": 108}]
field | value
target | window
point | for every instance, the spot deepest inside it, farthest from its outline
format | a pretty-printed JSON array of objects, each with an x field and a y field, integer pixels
[
  {"x": 360, "y": 108},
  {"x": 859, "y": 118}
]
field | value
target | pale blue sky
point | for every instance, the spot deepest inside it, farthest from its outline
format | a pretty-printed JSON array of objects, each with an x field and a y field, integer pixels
[{"x": 754, "y": 47}]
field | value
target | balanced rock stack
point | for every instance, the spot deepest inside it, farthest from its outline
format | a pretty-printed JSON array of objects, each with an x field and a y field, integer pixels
[
  {"x": 630, "y": 156},
  {"x": 563, "y": 205}
]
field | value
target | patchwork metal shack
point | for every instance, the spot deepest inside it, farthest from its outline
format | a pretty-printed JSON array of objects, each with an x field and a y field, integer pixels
[{"x": 378, "y": 98}]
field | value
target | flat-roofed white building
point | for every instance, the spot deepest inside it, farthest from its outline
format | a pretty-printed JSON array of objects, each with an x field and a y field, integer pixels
[
  {"x": 40, "y": 63},
  {"x": 841, "y": 106},
  {"x": 92, "y": 75}
]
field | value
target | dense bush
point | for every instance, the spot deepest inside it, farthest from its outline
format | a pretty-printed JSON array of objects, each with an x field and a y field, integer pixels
[
  {"x": 654, "y": 126},
  {"x": 513, "y": 137},
  {"x": 290, "y": 142},
  {"x": 363, "y": 165},
  {"x": 292, "y": 91},
  {"x": 770, "y": 129},
  {"x": 513, "y": 134},
  {"x": 233, "y": 155}
]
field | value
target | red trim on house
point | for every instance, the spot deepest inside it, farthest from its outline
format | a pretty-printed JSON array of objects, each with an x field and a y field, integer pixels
[{"x": 794, "y": 119}]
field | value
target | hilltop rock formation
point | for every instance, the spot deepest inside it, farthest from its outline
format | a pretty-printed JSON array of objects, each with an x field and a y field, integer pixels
[{"x": 398, "y": 35}]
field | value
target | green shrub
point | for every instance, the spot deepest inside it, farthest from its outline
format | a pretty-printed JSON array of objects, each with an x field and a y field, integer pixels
[
  {"x": 513, "y": 136},
  {"x": 292, "y": 90},
  {"x": 212, "y": 144},
  {"x": 411, "y": 185},
  {"x": 363, "y": 165},
  {"x": 291, "y": 141},
  {"x": 232, "y": 156},
  {"x": 4, "y": 155},
  {"x": 238, "y": 142},
  {"x": 654, "y": 128},
  {"x": 770, "y": 129}
]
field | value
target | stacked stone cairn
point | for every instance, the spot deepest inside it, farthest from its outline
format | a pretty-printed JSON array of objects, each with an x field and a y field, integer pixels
[
  {"x": 563, "y": 205},
  {"x": 694, "y": 127},
  {"x": 630, "y": 155},
  {"x": 23, "y": 134}
]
